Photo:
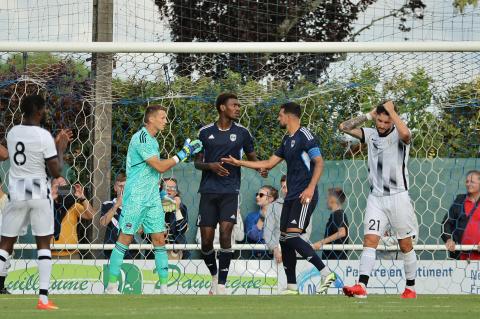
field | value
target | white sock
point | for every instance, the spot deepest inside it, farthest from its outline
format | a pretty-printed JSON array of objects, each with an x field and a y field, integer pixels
[
  {"x": 3, "y": 262},
  {"x": 367, "y": 261},
  {"x": 292, "y": 286},
  {"x": 44, "y": 270},
  {"x": 410, "y": 266}
]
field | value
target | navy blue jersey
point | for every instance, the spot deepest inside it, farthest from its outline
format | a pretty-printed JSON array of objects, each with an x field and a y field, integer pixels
[
  {"x": 298, "y": 151},
  {"x": 217, "y": 144}
]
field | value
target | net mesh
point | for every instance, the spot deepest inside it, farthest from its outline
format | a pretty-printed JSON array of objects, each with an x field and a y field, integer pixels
[{"x": 437, "y": 94}]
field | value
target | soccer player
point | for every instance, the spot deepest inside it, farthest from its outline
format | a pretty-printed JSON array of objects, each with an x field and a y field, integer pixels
[
  {"x": 142, "y": 206},
  {"x": 220, "y": 185},
  {"x": 301, "y": 151},
  {"x": 31, "y": 150},
  {"x": 388, "y": 203}
]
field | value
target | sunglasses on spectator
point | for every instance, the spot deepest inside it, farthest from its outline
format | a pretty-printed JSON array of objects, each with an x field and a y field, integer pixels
[{"x": 261, "y": 195}]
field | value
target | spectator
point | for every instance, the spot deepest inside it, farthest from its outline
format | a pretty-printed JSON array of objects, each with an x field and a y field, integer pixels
[
  {"x": 254, "y": 223},
  {"x": 238, "y": 233},
  {"x": 462, "y": 222},
  {"x": 271, "y": 229},
  {"x": 176, "y": 218},
  {"x": 70, "y": 205},
  {"x": 336, "y": 229},
  {"x": 110, "y": 216}
]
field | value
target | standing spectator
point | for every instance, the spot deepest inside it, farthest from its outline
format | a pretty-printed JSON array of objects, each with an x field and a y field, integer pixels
[
  {"x": 176, "y": 217},
  {"x": 462, "y": 222},
  {"x": 254, "y": 223},
  {"x": 336, "y": 230},
  {"x": 70, "y": 205},
  {"x": 111, "y": 212}
]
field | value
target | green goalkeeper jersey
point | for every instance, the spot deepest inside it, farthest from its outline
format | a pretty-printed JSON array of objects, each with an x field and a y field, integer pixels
[{"x": 142, "y": 179}]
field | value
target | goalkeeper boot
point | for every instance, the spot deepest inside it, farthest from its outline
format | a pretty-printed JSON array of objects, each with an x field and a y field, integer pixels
[
  {"x": 213, "y": 285},
  {"x": 327, "y": 281},
  {"x": 221, "y": 290},
  {"x": 112, "y": 289},
  {"x": 46, "y": 306},
  {"x": 409, "y": 294},
  {"x": 357, "y": 291},
  {"x": 163, "y": 290}
]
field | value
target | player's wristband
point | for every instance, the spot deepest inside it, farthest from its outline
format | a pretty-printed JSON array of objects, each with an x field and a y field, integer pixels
[
  {"x": 369, "y": 116},
  {"x": 176, "y": 159}
]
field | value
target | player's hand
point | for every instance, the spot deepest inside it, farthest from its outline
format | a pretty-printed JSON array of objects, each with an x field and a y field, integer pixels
[
  {"x": 307, "y": 195},
  {"x": 218, "y": 169},
  {"x": 277, "y": 254},
  {"x": 62, "y": 139},
  {"x": 231, "y": 160},
  {"x": 389, "y": 107},
  {"x": 189, "y": 148},
  {"x": 263, "y": 172},
  {"x": 450, "y": 245}
]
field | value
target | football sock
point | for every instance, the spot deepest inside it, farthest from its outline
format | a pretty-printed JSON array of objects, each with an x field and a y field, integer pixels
[
  {"x": 289, "y": 259},
  {"x": 45, "y": 270},
  {"x": 410, "y": 267},
  {"x": 116, "y": 261},
  {"x": 210, "y": 261},
  {"x": 161, "y": 263},
  {"x": 224, "y": 258},
  {"x": 367, "y": 261}
]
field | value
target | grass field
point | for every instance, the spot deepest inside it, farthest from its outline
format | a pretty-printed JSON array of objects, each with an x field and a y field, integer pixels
[{"x": 226, "y": 307}]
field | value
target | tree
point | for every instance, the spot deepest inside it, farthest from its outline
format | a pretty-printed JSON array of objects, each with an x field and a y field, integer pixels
[{"x": 263, "y": 21}]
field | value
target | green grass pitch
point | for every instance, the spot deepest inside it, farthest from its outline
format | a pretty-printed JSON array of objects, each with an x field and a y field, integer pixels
[{"x": 245, "y": 307}]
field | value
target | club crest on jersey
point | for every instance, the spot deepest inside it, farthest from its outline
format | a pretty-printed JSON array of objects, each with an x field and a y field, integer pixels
[
  {"x": 292, "y": 143},
  {"x": 211, "y": 137},
  {"x": 233, "y": 137}
]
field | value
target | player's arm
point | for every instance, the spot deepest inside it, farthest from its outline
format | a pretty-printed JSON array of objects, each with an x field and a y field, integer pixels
[
  {"x": 189, "y": 148},
  {"x": 3, "y": 153},
  {"x": 252, "y": 156},
  {"x": 273, "y": 161},
  {"x": 215, "y": 167},
  {"x": 351, "y": 126},
  {"x": 54, "y": 150},
  {"x": 403, "y": 131}
]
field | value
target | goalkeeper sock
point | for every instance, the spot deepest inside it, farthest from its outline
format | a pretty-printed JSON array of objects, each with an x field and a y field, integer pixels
[
  {"x": 306, "y": 251},
  {"x": 367, "y": 261},
  {"x": 44, "y": 270},
  {"x": 289, "y": 259},
  {"x": 161, "y": 263},
  {"x": 116, "y": 261},
  {"x": 410, "y": 267},
  {"x": 224, "y": 258},
  {"x": 210, "y": 261}
]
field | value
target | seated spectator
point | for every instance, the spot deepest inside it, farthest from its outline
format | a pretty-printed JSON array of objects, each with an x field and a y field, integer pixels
[
  {"x": 238, "y": 234},
  {"x": 69, "y": 206},
  {"x": 110, "y": 216},
  {"x": 336, "y": 229},
  {"x": 176, "y": 218},
  {"x": 255, "y": 220},
  {"x": 271, "y": 229},
  {"x": 461, "y": 225}
]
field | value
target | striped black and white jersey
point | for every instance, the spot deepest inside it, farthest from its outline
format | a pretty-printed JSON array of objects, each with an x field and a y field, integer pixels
[
  {"x": 387, "y": 162},
  {"x": 28, "y": 148}
]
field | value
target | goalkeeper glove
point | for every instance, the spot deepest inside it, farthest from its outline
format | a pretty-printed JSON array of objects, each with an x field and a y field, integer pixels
[{"x": 188, "y": 149}]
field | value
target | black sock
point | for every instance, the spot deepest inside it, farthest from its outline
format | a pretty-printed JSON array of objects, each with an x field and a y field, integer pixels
[
  {"x": 2, "y": 282},
  {"x": 210, "y": 261},
  {"x": 363, "y": 279},
  {"x": 224, "y": 258},
  {"x": 410, "y": 282},
  {"x": 43, "y": 292},
  {"x": 305, "y": 250},
  {"x": 289, "y": 259}
]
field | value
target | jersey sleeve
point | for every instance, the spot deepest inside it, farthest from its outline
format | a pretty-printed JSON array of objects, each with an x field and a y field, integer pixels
[
  {"x": 280, "y": 152},
  {"x": 311, "y": 145},
  {"x": 49, "y": 148},
  {"x": 105, "y": 208},
  {"x": 340, "y": 220},
  {"x": 147, "y": 150},
  {"x": 366, "y": 133},
  {"x": 248, "y": 142}
]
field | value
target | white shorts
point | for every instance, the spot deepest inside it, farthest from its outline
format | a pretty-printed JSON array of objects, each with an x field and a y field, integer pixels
[
  {"x": 394, "y": 213},
  {"x": 18, "y": 214}
]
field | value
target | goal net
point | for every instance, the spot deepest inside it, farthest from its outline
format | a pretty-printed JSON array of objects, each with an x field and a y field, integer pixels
[{"x": 101, "y": 90}]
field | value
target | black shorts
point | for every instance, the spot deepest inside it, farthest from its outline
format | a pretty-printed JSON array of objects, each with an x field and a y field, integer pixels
[
  {"x": 215, "y": 208},
  {"x": 296, "y": 215}
]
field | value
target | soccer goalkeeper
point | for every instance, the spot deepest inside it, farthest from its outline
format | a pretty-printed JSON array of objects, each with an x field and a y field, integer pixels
[{"x": 141, "y": 201}]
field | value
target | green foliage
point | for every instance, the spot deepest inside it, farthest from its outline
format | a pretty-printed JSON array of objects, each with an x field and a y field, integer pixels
[{"x": 461, "y": 4}]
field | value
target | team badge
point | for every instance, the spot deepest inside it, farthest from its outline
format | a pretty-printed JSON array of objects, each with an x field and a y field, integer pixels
[
  {"x": 292, "y": 144},
  {"x": 233, "y": 137}
]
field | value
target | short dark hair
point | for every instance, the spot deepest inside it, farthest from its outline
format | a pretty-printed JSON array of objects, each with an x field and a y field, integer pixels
[
  {"x": 474, "y": 172},
  {"x": 121, "y": 177},
  {"x": 292, "y": 108},
  {"x": 223, "y": 98},
  {"x": 338, "y": 193},
  {"x": 271, "y": 190},
  {"x": 381, "y": 109},
  {"x": 283, "y": 178},
  {"x": 32, "y": 104},
  {"x": 151, "y": 110}
]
